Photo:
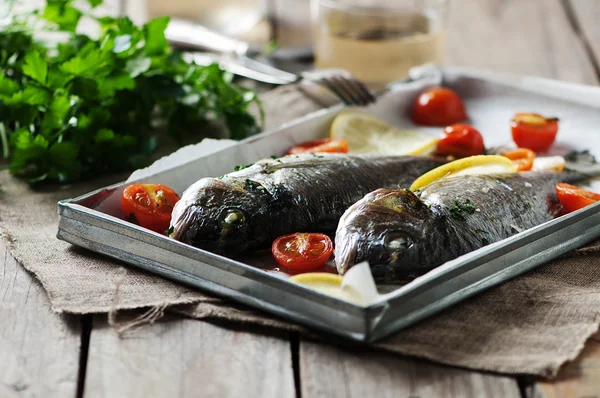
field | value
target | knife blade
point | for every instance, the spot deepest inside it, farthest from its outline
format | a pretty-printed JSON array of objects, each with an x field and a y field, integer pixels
[{"x": 243, "y": 66}]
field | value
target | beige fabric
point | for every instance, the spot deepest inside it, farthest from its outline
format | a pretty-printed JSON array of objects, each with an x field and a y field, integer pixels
[{"x": 531, "y": 325}]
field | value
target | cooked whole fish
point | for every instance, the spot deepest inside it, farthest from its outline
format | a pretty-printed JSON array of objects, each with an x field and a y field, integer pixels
[
  {"x": 250, "y": 208},
  {"x": 405, "y": 234}
]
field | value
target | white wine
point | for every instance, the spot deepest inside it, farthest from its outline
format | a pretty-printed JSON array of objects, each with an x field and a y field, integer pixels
[{"x": 377, "y": 46}]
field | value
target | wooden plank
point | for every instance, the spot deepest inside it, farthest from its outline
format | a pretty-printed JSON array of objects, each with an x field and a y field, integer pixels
[
  {"x": 531, "y": 37},
  {"x": 187, "y": 358},
  {"x": 587, "y": 15},
  {"x": 39, "y": 350},
  {"x": 580, "y": 378},
  {"x": 327, "y": 371}
]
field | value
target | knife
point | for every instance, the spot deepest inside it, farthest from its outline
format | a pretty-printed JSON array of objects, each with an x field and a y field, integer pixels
[
  {"x": 243, "y": 66},
  {"x": 234, "y": 55}
]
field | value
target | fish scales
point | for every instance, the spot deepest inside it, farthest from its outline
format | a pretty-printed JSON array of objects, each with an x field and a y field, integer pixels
[{"x": 298, "y": 193}]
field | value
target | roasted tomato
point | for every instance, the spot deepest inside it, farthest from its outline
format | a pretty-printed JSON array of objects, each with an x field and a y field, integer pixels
[
  {"x": 522, "y": 158},
  {"x": 438, "y": 107},
  {"x": 149, "y": 205},
  {"x": 302, "y": 251},
  {"x": 533, "y": 131},
  {"x": 460, "y": 140},
  {"x": 324, "y": 145},
  {"x": 574, "y": 198}
]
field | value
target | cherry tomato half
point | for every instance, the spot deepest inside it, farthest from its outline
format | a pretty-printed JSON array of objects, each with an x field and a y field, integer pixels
[
  {"x": 438, "y": 107},
  {"x": 574, "y": 198},
  {"x": 522, "y": 158},
  {"x": 150, "y": 205},
  {"x": 302, "y": 251},
  {"x": 460, "y": 140},
  {"x": 533, "y": 131},
  {"x": 324, "y": 145}
]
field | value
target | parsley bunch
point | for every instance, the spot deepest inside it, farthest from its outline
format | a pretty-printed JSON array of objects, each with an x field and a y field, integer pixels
[{"x": 88, "y": 106}]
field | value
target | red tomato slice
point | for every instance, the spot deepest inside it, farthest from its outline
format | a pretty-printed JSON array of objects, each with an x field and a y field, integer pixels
[
  {"x": 438, "y": 107},
  {"x": 324, "y": 145},
  {"x": 460, "y": 140},
  {"x": 522, "y": 158},
  {"x": 302, "y": 251},
  {"x": 574, "y": 198},
  {"x": 533, "y": 131},
  {"x": 150, "y": 205}
]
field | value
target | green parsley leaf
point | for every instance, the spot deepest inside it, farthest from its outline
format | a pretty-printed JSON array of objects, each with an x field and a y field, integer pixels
[
  {"x": 36, "y": 67},
  {"x": 154, "y": 31},
  {"x": 33, "y": 95},
  {"x": 8, "y": 87},
  {"x": 89, "y": 63},
  {"x": 110, "y": 84},
  {"x": 95, "y": 3},
  {"x": 65, "y": 16}
]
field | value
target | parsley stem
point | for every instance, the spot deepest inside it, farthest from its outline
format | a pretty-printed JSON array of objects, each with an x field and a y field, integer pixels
[{"x": 4, "y": 139}]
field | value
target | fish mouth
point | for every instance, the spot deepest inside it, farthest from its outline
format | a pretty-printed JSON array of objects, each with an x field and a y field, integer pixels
[
  {"x": 182, "y": 219},
  {"x": 346, "y": 253}
]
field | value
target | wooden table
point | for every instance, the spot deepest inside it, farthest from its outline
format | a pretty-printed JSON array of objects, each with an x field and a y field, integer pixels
[{"x": 44, "y": 354}]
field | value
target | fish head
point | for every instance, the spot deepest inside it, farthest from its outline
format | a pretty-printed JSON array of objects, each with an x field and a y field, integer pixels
[
  {"x": 214, "y": 214},
  {"x": 385, "y": 228}
]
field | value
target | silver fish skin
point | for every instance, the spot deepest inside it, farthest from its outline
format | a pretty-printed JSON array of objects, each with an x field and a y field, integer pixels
[
  {"x": 402, "y": 234},
  {"x": 250, "y": 208}
]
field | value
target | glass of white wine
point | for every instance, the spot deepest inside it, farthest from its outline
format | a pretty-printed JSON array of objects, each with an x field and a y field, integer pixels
[{"x": 378, "y": 41}]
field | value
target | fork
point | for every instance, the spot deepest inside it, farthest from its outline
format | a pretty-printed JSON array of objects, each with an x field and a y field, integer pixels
[
  {"x": 237, "y": 57},
  {"x": 348, "y": 89}
]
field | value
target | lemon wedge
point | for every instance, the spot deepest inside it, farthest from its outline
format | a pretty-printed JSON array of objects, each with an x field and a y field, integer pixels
[
  {"x": 330, "y": 284},
  {"x": 473, "y": 165},
  {"x": 367, "y": 134},
  {"x": 357, "y": 286}
]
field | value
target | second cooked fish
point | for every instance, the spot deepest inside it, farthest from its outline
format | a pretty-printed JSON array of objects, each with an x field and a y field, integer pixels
[{"x": 402, "y": 234}]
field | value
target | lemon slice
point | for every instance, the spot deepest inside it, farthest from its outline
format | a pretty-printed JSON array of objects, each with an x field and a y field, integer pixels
[
  {"x": 357, "y": 286},
  {"x": 474, "y": 165},
  {"x": 330, "y": 284},
  {"x": 367, "y": 134}
]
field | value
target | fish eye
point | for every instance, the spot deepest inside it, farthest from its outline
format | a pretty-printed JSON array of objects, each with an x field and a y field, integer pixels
[
  {"x": 232, "y": 217},
  {"x": 397, "y": 242}
]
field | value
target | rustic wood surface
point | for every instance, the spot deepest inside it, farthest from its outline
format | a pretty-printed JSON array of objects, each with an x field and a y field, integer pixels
[
  {"x": 44, "y": 354},
  {"x": 39, "y": 350},
  {"x": 327, "y": 371},
  {"x": 530, "y": 37},
  {"x": 187, "y": 358}
]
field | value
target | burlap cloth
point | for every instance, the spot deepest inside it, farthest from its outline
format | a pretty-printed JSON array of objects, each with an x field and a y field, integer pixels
[{"x": 530, "y": 325}]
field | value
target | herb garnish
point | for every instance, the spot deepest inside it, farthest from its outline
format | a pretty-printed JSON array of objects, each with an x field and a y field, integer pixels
[
  {"x": 459, "y": 209},
  {"x": 579, "y": 156},
  {"x": 88, "y": 107},
  {"x": 254, "y": 186},
  {"x": 169, "y": 231},
  {"x": 242, "y": 167}
]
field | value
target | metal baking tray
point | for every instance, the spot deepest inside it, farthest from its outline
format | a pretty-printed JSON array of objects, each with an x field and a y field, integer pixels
[{"x": 93, "y": 220}]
